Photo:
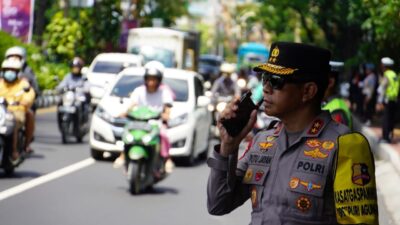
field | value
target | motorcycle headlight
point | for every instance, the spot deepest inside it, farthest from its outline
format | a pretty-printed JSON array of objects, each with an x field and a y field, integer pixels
[
  {"x": 221, "y": 106},
  {"x": 211, "y": 108},
  {"x": 68, "y": 98},
  {"x": 146, "y": 139},
  {"x": 129, "y": 138},
  {"x": 178, "y": 120},
  {"x": 100, "y": 112},
  {"x": 241, "y": 83}
]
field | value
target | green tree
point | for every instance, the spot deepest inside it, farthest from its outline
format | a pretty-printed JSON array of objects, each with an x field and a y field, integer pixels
[
  {"x": 167, "y": 10},
  {"x": 62, "y": 36}
]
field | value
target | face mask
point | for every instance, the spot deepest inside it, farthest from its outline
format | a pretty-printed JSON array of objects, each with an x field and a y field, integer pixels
[{"x": 10, "y": 75}]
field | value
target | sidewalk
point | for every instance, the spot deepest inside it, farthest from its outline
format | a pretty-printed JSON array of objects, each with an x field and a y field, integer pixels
[{"x": 387, "y": 161}]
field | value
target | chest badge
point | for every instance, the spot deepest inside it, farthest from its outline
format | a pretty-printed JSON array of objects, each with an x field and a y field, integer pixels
[
  {"x": 259, "y": 175},
  {"x": 303, "y": 203},
  {"x": 310, "y": 186},
  {"x": 294, "y": 182},
  {"x": 254, "y": 202},
  {"x": 264, "y": 146},
  {"x": 360, "y": 174},
  {"x": 313, "y": 143},
  {"x": 316, "y": 154},
  {"x": 248, "y": 176},
  {"x": 270, "y": 138},
  {"x": 328, "y": 145}
]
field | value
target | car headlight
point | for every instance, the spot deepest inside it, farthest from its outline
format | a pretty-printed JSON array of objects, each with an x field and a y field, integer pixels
[
  {"x": 221, "y": 106},
  {"x": 178, "y": 120},
  {"x": 100, "y": 112},
  {"x": 68, "y": 98}
]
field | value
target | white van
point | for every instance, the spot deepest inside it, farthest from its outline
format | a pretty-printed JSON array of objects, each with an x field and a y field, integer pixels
[{"x": 104, "y": 69}]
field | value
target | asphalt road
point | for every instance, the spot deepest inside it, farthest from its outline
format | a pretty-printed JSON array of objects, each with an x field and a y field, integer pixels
[{"x": 61, "y": 184}]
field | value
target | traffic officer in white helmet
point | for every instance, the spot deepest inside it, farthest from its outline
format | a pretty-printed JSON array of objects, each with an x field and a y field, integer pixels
[{"x": 308, "y": 169}]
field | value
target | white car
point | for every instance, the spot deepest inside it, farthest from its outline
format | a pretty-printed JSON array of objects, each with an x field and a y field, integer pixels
[
  {"x": 104, "y": 69},
  {"x": 189, "y": 125}
]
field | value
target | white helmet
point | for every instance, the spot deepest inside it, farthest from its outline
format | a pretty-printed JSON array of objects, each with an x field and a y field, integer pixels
[
  {"x": 11, "y": 64},
  {"x": 156, "y": 65},
  {"x": 227, "y": 68},
  {"x": 154, "y": 69},
  {"x": 18, "y": 51},
  {"x": 10, "y": 69},
  {"x": 387, "y": 61}
]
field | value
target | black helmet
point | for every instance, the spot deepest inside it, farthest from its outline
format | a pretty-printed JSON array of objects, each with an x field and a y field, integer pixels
[{"x": 78, "y": 62}]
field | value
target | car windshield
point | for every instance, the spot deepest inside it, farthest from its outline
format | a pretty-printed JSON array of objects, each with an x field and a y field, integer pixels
[
  {"x": 125, "y": 86},
  {"x": 210, "y": 62},
  {"x": 149, "y": 53},
  {"x": 110, "y": 67}
]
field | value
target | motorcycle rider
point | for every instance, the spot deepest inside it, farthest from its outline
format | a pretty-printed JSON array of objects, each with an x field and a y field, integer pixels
[
  {"x": 19, "y": 53},
  {"x": 225, "y": 85},
  {"x": 20, "y": 97},
  {"x": 158, "y": 96},
  {"x": 75, "y": 79}
]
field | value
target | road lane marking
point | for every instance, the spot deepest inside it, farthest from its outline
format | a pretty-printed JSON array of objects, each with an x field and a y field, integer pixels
[{"x": 46, "y": 178}]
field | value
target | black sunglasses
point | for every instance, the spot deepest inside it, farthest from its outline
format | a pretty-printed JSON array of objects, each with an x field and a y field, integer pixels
[{"x": 277, "y": 82}]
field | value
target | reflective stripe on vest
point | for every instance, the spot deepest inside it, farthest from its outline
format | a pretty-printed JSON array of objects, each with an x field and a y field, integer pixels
[
  {"x": 336, "y": 104},
  {"x": 392, "y": 90},
  {"x": 354, "y": 183}
]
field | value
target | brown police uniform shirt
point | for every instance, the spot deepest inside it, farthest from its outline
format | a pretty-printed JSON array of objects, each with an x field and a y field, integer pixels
[{"x": 287, "y": 183}]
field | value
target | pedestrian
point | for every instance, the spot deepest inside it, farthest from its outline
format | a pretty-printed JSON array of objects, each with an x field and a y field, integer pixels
[
  {"x": 369, "y": 92},
  {"x": 332, "y": 101},
  {"x": 388, "y": 91},
  {"x": 356, "y": 101},
  {"x": 308, "y": 169}
]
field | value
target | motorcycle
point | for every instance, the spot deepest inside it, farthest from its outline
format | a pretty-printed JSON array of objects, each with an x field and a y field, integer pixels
[
  {"x": 142, "y": 144},
  {"x": 7, "y": 126},
  {"x": 218, "y": 104},
  {"x": 73, "y": 114}
]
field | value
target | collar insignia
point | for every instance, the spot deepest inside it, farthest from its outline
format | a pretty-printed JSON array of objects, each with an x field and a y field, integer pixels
[{"x": 316, "y": 127}]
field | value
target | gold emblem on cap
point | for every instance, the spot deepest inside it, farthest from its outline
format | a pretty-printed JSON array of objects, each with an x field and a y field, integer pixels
[{"x": 274, "y": 54}]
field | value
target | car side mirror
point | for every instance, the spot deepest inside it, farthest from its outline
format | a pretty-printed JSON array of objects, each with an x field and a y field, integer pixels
[
  {"x": 203, "y": 101},
  {"x": 84, "y": 70}
]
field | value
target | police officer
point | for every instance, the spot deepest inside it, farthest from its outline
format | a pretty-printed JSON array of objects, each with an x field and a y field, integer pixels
[
  {"x": 333, "y": 102},
  {"x": 308, "y": 169},
  {"x": 388, "y": 91}
]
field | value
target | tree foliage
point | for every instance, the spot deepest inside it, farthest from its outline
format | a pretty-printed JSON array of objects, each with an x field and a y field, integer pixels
[
  {"x": 166, "y": 10},
  {"x": 63, "y": 36},
  {"x": 355, "y": 31}
]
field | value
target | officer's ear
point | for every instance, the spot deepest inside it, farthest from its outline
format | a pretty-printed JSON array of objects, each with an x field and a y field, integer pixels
[{"x": 310, "y": 89}]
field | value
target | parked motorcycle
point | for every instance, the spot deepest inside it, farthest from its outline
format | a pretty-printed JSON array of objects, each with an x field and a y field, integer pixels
[
  {"x": 73, "y": 114},
  {"x": 142, "y": 144},
  {"x": 7, "y": 125}
]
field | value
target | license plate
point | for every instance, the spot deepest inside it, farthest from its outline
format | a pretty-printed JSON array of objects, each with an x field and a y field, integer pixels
[
  {"x": 68, "y": 109},
  {"x": 3, "y": 130}
]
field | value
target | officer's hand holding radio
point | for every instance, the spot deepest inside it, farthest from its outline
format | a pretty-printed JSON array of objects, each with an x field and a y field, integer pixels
[{"x": 235, "y": 123}]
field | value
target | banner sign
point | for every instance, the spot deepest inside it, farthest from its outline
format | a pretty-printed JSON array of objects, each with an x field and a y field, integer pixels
[{"x": 16, "y": 18}]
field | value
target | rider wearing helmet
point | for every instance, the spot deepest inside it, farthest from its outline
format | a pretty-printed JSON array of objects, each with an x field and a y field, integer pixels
[
  {"x": 157, "y": 96},
  {"x": 18, "y": 52},
  {"x": 20, "y": 97},
  {"x": 74, "y": 78},
  {"x": 224, "y": 85}
]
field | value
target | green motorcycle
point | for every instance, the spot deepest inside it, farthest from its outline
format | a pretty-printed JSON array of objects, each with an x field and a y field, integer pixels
[{"x": 142, "y": 145}]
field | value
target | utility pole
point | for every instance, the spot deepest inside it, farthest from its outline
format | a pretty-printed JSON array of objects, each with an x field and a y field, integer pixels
[{"x": 64, "y": 5}]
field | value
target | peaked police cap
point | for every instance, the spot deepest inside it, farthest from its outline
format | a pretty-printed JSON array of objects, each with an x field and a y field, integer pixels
[{"x": 297, "y": 60}]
